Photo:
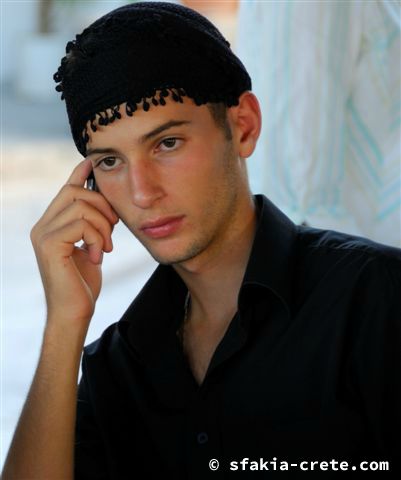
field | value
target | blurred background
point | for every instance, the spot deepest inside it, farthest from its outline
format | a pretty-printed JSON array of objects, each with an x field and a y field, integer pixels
[{"x": 327, "y": 75}]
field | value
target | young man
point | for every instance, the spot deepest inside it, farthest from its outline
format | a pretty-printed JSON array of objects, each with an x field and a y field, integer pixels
[{"x": 256, "y": 343}]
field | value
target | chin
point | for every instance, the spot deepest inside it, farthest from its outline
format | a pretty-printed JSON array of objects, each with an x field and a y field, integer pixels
[
  {"x": 169, "y": 259},
  {"x": 173, "y": 256}
]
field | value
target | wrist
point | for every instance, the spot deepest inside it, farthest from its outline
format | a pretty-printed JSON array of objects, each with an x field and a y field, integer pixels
[{"x": 67, "y": 334}]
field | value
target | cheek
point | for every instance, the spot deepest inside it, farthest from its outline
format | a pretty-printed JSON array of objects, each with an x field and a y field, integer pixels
[
  {"x": 201, "y": 167},
  {"x": 114, "y": 192}
]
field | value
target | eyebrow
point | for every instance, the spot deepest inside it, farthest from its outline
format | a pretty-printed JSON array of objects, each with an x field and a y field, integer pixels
[{"x": 144, "y": 138}]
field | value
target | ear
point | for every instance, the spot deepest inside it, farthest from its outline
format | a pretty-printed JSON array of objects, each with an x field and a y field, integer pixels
[{"x": 246, "y": 122}]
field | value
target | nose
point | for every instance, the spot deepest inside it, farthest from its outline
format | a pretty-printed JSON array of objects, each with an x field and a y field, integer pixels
[{"x": 145, "y": 185}]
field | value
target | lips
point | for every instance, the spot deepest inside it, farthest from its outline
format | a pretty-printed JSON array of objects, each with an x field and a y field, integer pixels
[
  {"x": 161, "y": 227},
  {"x": 157, "y": 222}
]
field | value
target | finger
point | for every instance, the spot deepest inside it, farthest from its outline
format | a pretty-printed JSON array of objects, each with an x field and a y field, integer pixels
[
  {"x": 61, "y": 243},
  {"x": 95, "y": 249},
  {"x": 80, "y": 173},
  {"x": 70, "y": 194},
  {"x": 83, "y": 210},
  {"x": 84, "y": 246}
]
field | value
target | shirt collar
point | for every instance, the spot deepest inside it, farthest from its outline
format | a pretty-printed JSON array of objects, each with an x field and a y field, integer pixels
[{"x": 270, "y": 263}]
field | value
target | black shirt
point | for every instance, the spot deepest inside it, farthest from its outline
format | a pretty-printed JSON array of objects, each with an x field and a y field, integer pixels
[{"x": 309, "y": 368}]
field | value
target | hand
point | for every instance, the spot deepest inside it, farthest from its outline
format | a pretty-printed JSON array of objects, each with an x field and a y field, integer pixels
[{"x": 71, "y": 275}]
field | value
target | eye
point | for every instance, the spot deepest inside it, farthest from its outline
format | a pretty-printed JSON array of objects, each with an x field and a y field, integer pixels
[
  {"x": 170, "y": 143},
  {"x": 108, "y": 163}
]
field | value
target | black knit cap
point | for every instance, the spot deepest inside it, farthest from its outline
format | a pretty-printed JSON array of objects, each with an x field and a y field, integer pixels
[{"x": 141, "y": 49}]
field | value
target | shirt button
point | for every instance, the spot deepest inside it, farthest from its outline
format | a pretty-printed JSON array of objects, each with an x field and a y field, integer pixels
[{"x": 202, "y": 438}]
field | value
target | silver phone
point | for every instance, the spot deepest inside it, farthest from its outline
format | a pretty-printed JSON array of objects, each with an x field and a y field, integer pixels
[{"x": 91, "y": 182}]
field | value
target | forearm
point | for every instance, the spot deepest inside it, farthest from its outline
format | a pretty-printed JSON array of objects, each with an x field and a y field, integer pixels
[{"x": 43, "y": 443}]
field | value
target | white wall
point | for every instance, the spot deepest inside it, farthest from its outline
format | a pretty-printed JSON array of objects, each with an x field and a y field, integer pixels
[{"x": 19, "y": 20}]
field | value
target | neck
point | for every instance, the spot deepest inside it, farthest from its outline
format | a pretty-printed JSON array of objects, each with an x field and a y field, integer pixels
[{"x": 214, "y": 280}]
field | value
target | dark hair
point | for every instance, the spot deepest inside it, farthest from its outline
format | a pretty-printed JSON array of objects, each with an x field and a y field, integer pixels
[{"x": 219, "y": 114}]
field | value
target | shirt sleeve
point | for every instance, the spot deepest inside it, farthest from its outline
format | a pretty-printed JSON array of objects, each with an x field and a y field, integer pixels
[
  {"x": 376, "y": 358},
  {"x": 89, "y": 460}
]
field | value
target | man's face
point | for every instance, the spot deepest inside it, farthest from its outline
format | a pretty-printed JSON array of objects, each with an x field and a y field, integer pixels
[{"x": 188, "y": 172}]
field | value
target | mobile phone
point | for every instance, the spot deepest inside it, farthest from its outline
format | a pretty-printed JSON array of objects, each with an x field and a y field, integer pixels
[{"x": 91, "y": 182}]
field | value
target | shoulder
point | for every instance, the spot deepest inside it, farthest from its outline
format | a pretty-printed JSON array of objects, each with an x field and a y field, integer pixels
[
  {"x": 331, "y": 240},
  {"x": 339, "y": 265},
  {"x": 109, "y": 346},
  {"x": 338, "y": 248}
]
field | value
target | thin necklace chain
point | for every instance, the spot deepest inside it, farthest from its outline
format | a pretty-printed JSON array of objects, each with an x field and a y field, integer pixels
[
  {"x": 180, "y": 331},
  {"x": 187, "y": 300}
]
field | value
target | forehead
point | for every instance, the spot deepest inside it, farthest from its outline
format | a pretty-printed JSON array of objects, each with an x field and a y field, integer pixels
[{"x": 142, "y": 122}]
